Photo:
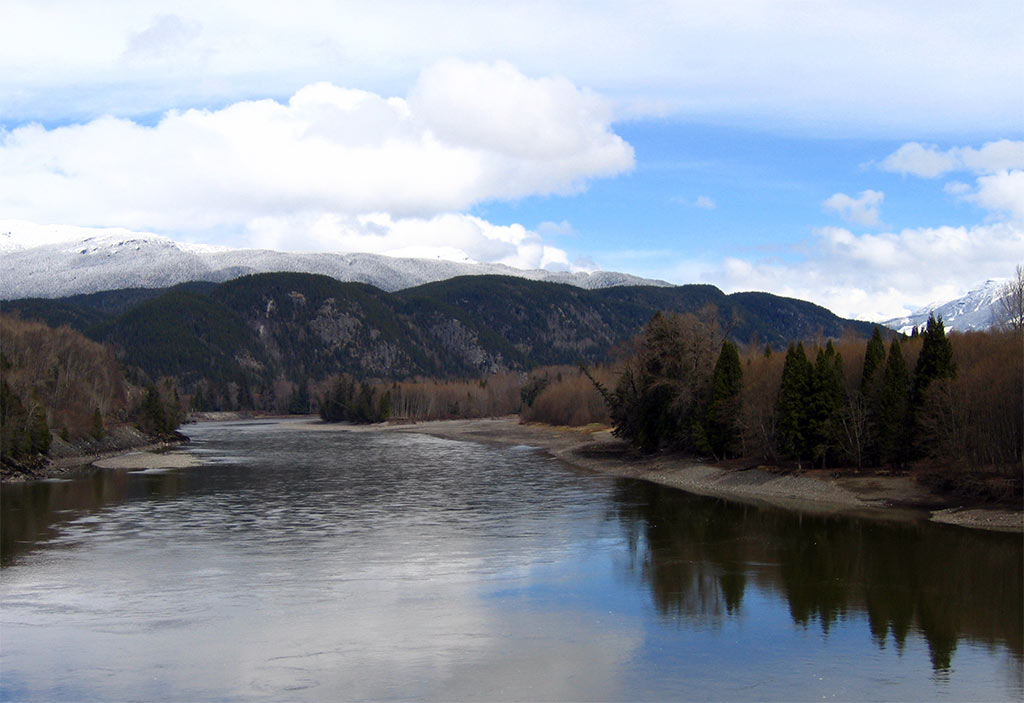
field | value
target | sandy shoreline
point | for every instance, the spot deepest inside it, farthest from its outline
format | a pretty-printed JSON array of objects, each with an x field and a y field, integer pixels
[{"x": 595, "y": 449}]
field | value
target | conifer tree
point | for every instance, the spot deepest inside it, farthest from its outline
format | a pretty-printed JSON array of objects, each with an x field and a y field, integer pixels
[
  {"x": 874, "y": 360},
  {"x": 98, "y": 431},
  {"x": 791, "y": 408},
  {"x": 38, "y": 429},
  {"x": 722, "y": 432},
  {"x": 826, "y": 402},
  {"x": 935, "y": 360},
  {"x": 891, "y": 415},
  {"x": 154, "y": 419},
  {"x": 870, "y": 383}
]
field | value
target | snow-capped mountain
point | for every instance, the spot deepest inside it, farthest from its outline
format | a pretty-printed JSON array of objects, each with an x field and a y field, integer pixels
[
  {"x": 52, "y": 261},
  {"x": 974, "y": 311}
]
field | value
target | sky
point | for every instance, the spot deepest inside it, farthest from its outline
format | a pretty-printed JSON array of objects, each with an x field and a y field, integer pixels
[{"x": 867, "y": 156}]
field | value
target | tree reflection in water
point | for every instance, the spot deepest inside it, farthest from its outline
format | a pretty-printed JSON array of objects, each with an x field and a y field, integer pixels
[{"x": 698, "y": 555}]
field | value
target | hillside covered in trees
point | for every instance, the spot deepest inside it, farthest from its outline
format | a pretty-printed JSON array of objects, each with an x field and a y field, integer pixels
[
  {"x": 687, "y": 369},
  {"x": 58, "y": 386},
  {"x": 256, "y": 341},
  {"x": 950, "y": 405}
]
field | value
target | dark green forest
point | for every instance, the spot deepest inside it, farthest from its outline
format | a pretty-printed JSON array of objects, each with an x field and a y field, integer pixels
[{"x": 244, "y": 343}]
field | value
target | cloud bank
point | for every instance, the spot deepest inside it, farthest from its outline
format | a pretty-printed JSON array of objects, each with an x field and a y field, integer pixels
[
  {"x": 319, "y": 169},
  {"x": 878, "y": 276},
  {"x": 942, "y": 67}
]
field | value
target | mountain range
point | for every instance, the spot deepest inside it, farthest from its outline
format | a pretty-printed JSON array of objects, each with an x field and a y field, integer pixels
[
  {"x": 56, "y": 261},
  {"x": 976, "y": 310},
  {"x": 53, "y": 261},
  {"x": 297, "y": 326}
]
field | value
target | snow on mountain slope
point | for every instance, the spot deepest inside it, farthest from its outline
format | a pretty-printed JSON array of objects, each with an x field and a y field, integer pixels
[
  {"x": 973, "y": 311},
  {"x": 52, "y": 261}
]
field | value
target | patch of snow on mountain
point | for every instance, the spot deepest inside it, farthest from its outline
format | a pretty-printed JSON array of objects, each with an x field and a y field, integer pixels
[
  {"x": 54, "y": 261},
  {"x": 974, "y": 311}
]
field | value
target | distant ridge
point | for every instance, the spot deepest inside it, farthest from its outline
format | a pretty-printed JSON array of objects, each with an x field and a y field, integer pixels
[
  {"x": 300, "y": 326},
  {"x": 970, "y": 312},
  {"x": 56, "y": 261}
]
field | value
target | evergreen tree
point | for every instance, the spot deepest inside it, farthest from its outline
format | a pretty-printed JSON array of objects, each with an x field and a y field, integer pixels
[
  {"x": 98, "y": 431},
  {"x": 198, "y": 401},
  {"x": 874, "y": 359},
  {"x": 791, "y": 407},
  {"x": 935, "y": 360},
  {"x": 13, "y": 421},
  {"x": 870, "y": 383},
  {"x": 722, "y": 427},
  {"x": 891, "y": 415},
  {"x": 153, "y": 417},
  {"x": 38, "y": 429},
  {"x": 825, "y": 407},
  {"x": 299, "y": 403}
]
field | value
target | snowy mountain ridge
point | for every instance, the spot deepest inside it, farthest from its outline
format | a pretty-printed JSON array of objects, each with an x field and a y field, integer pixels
[
  {"x": 49, "y": 261},
  {"x": 974, "y": 311}
]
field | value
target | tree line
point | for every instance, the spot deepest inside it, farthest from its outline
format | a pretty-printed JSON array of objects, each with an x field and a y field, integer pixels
[
  {"x": 946, "y": 400},
  {"x": 55, "y": 384}
]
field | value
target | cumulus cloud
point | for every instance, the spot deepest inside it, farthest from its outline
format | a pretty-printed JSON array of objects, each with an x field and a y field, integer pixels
[
  {"x": 879, "y": 276},
  {"x": 874, "y": 67},
  {"x": 928, "y": 161},
  {"x": 862, "y": 210},
  {"x": 1001, "y": 192},
  {"x": 449, "y": 236},
  {"x": 468, "y": 133},
  {"x": 998, "y": 167}
]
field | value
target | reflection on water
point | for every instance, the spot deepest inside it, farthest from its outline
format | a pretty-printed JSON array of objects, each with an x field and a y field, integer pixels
[
  {"x": 298, "y": 564},
  {"x": 947, "y": 583}
]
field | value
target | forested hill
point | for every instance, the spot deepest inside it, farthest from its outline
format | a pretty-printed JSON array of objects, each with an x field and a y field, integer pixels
[{"x": 305, "y": 327}]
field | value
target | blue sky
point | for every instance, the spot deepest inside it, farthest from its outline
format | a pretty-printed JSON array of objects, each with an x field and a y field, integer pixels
[{"x": 864, "y": 155}]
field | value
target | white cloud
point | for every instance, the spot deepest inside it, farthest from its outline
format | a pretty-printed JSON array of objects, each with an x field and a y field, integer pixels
[
  {"x": 862, "y": 210},
  {"x": 1001, "y": 193},
  {"x": 555, "y": 229},
  {"x": 928, "y": 161},
  {"x": 450, "y": 236},
  {"x": 703, "y": 202},
  {"x": 166, "y": 38},
  {"x": 914, "y": 67},
  {"x": 327, "y": 152},
  {"x": 880, "y": 276},
  {"x": 956, "y": 188},
  {"x": 998, "y": 166}
]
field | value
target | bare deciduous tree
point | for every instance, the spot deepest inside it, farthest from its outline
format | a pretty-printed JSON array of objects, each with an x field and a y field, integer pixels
[{"x": 1010, "y": 310}]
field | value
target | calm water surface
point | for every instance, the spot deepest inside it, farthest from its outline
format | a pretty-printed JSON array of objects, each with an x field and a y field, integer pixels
[{"x": 299, "y": 564}]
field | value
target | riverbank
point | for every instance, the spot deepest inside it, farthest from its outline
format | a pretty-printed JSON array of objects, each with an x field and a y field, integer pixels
[
  {"x": 68, "y": 456},
  {"x": 595, "y": 449}
]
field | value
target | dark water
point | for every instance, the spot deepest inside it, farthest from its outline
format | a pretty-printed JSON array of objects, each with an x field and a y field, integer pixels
[{"x": 298, "y": 564}]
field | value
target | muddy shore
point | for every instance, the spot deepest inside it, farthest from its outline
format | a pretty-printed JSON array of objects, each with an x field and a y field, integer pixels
[
  {"x": 595, "y": 449},
  {"x": 67, "y": 457}
]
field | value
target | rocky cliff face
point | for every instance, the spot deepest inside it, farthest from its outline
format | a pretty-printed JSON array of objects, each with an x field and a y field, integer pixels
[{"x": 297, "y": 327}]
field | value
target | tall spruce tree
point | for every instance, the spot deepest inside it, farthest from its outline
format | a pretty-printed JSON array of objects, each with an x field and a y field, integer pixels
[
  {"x": 826, "y": 403},
  {"x": 935, "y": 360},
  {"x": 874, "y": 360},
  {"x": 791, "y": 407},
  {"x": 892, "y": 412},
  {"x": 870, "y": 383},
  {"x": 722, "y": 426}
]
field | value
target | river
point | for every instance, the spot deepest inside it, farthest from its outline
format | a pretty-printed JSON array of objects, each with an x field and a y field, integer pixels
[{"x": 297, "y": 564}]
